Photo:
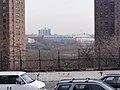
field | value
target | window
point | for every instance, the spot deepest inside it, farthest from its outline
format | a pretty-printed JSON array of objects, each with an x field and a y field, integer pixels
[
  {"x": 17, "y": 1},
  {"x": 118, "y": 80},
  {"x": 4, "y": 80},
  {"x": 106, "y": 22},
  {"x": 17, "y": 9},
  {"x": 17, "y": 21},
  {"x": 4, "y": 1},
  {"x": 110, "y": 79},
  {"x": 4, "y": 14},
  {"x": 4, "y": 45},
  {"x": 4, "y": 26},
  {"x": 4, "y": 8},
  {"x": 4, "y": 57},
  {"x": 106, "y": 16},
  {"x": 64, "y": 87},
  {"x": 17, "y": 27},
  {"x": 17, "y": 15},
  {"x": 17, "y": 39},
  {"x": 17, "y": 5},
  {"x": 17, "y": 32},
  {"x": 18, "y": 45},
  {"x": 96, "y": 87},
  {"x": 106, "y": 6},
  {"x": 19, "y": 81},
  {"x": 81, "y": 87},
  {"x": 11, "y": 80},
  {"x": 114, "y": 81},
  {"x": 4, "y": 38},
  {"x": 27, "y": 78},
  {"x": 4, "y": 20}
]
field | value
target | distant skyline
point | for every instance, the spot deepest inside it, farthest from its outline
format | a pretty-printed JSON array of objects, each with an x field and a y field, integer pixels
[{"x": 61, "y": 16}]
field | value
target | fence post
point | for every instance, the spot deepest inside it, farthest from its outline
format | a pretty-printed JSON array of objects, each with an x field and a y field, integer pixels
[
  {"x": 78, "y": 59},
  {"x": 39, "y": 60},
  {"x": 99, "y": 62},
  {"x": 58, "y": 59},
  {"x": 20, "y": 61},
  {"x": 1, "y": 62},
  {"x": 119, "y": 58}
]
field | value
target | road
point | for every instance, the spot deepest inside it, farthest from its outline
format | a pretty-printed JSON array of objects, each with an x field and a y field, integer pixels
[{"x": 50, "y": 85}]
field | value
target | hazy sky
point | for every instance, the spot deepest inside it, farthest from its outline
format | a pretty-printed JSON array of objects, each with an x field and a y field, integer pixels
[{"x": 62, "y": 16}]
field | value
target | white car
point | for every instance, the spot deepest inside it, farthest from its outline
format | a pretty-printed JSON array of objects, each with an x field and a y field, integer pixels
[{"x": 18, "y": 80}]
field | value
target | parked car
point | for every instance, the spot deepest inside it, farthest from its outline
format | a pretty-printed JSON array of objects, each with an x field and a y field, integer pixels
[
  {"x": 82, "y": 84},
  {"x": 18, "y": 80},
  {"x": 112, "y": 79}
]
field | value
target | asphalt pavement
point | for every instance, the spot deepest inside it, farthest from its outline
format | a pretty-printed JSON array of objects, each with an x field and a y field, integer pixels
[{"x": 50, "y": 85}]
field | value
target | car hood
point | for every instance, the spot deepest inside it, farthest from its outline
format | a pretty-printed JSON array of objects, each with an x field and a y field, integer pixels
[{"x": 37, "y": 84}]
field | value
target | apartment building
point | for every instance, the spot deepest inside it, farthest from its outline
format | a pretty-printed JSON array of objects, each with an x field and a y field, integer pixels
[
  {"x": 107, "y": 19},
  {"x": 12, "y": 33}
]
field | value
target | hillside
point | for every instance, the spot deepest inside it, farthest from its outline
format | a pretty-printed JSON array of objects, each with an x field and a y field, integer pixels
[{"x": 44, "y": 44}]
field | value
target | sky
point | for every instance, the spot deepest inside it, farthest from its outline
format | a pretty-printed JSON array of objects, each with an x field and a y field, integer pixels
[{"x": 63, "y": 17}]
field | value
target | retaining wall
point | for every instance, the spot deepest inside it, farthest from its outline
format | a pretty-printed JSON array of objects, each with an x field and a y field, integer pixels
[{"x": 57, "y": 76}]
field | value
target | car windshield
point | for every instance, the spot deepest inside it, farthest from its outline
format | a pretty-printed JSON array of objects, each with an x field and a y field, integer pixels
[
  {"x": 27, "y": 78},
  {"x": 109, "y": 85}
]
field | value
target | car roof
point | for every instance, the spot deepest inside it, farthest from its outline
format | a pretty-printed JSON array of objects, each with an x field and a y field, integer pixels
[
  {"x": 81, "y": 80},
  {"x": 111, "y": 75},
  {"x": 12, "y": 72}
]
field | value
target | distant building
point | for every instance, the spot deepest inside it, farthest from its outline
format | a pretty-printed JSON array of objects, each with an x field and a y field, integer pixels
[
  {"x": 61, "y": 38},
  {"x": 30, "y": 40},
  {"x": 83, "y": 39},
  {"x": 107, "y": 19},
  {"x": 44, "y": 32}
]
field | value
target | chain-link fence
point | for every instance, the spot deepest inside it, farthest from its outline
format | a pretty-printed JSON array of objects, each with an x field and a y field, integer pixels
[
  {"x": 70, "y": 59},
  {"x": 71, "y": 64}
]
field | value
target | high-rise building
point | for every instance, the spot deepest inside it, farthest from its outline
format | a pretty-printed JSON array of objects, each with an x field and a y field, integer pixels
[
  {"x": 12, "y": 33},
  {"x": 107, "y": 19}
]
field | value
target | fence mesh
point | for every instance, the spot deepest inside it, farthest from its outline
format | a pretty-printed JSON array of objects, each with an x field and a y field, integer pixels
[{"x": 69, "y": 59}]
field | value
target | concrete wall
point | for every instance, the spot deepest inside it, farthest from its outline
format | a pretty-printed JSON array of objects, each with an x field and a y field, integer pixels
[{"x": 57, "y": 76}]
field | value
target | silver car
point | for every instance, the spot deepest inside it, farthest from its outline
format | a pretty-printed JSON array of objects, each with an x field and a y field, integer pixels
[
  {"x": 112, "y": 79},
  {"x": 82, "y": 84}
]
